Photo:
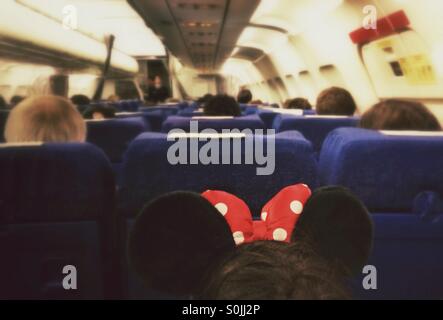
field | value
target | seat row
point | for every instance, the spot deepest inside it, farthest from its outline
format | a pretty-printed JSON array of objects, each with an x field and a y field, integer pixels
[{"x": 59, "y": 207}]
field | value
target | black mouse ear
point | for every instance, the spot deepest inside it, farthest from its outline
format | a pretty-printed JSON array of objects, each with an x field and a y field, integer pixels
[
  {"x": 338, "y": 226},
  {"x": 176, "y": 240}
]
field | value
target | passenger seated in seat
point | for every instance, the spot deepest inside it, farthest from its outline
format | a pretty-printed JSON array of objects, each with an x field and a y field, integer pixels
[
  {"x": 2, "y": 103},
  {"x": 298, "y": 103},
  {"x": 270, "y": 270},
  {"x": 45, "y": 119},
  {"x": 336, "y": 101},
  {"x": 80, "y": 100},
  {"x": 257, "y": 102},
  {"x": 244, "y": 96},
  {"x": 204, "y": 100},
  {"x": 113, "y": 98},
  {"x": 99, "y": 112},
  {"x": 399, "y": 115},
  {"x": 222, "y": 105}
]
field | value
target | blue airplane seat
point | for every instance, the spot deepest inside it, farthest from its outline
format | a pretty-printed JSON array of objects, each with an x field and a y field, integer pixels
[
  {"x": 57, "y": 210},
  {"x": 217, "y": 123},
  {"x": 399, "y": 177},
  {"x": 268, "y": 117},
  {"x": 148, "y": 172},
  {"x": 113, "y": 136},
  {"x": 314, "y": 128}
]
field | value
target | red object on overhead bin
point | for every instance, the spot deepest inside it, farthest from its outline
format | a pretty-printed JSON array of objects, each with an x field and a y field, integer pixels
[{"x": 385, "y": 27}]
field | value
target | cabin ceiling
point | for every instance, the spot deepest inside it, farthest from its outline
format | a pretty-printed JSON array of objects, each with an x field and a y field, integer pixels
[{"x": 201, "y": 33}]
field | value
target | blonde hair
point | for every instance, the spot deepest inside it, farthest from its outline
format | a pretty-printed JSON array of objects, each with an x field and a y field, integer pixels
[{"x": 46, "y": 119}]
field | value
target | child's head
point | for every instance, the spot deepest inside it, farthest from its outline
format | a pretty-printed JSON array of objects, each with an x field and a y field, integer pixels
[
  {"x": 181, "y": 245},
  {"x": 269, "y": 270}
]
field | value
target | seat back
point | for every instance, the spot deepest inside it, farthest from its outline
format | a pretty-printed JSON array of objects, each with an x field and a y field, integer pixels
[
  {"x": 56, "y": 210},
  {"x": 399, "y": 177},
  {"x": 314, "y": 128},
  {"x": 148, "y": 173},
  {"x": 248, "y": 122},
  {"x": 113, "y": 136}
]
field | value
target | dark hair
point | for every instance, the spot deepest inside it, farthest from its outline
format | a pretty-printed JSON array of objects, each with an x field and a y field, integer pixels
[
  {"x": 80, "y": 100},
  {"x": 270, "y": 270},
  {"x": 107, "y": 111},
  {"x": 204, "y": 100},
  {"x": 222, "y": 105},
  {"x": 337, "y": 225},
  {"x": 244, "y": 96},
  {"x": 2, "y": 102},
  {"x": 336, "y": 101},
  {"x": 299, "y": 103},
  {"x": 399, "y": 115},
  {"x": 15, "y": 100}
]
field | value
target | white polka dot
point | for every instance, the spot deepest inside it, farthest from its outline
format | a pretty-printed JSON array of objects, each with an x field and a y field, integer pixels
[
  {"x": 223, "y": 208},
  {"x": 264, "y": 215},
  {"x": 305, "y": 185},
  {"x": 296, "y": 207},
  {"x": 279, "y": 234},
  {"x": 239, "y": 238}
]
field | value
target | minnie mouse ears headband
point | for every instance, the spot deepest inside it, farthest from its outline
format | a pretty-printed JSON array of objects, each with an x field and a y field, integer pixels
[
  {"x": 180, "y": 237},
  {"x": 175, "y": 240},
  {"x": 338, "y": 227}
]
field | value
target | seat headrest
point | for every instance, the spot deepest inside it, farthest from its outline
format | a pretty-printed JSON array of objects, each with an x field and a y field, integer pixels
[
  {"x": 54, "y": 183},
  {"x": 314, "y": 128},
  {"x": 148, "y": 173},
  {"x": 386, "y": 171},
  {"x": 113, "y": 136},
  {"x": 252, "y": 122}
]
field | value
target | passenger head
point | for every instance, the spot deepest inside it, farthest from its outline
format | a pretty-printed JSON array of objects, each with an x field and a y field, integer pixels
[
  {"x": 244, "y": 96},
  {"x": 399, "y": 115},
  {"x": 257, "y": 102},
  {"x": 336, "y": 101},
  {"x": 176, "y": 240},
  {"x": 2, "y": 103},
  {"x": 46, "y": 119},
  {"x": 204, "y": 100},
  {"x": 158, "y": 83},
  {"x": 99, "y": 112},
  {"x": 338, "y": 227},
  {"x": 222, "y": 105},
  {"x": 80, "y": 100},
  {"x": 299, "y": 103},
  {"x": 113, "y": 98},
  {"x": 268, "y": 270},
  {"x": 15, "y": 100}
]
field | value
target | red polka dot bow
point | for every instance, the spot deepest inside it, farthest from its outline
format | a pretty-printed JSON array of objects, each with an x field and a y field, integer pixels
[{"x": 278, "y": 217}]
